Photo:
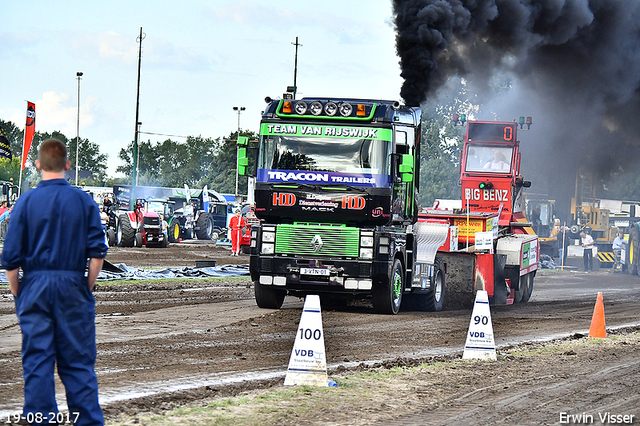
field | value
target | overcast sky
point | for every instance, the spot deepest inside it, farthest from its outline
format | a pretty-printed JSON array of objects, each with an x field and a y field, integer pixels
[{"x": 199, "y": 60}]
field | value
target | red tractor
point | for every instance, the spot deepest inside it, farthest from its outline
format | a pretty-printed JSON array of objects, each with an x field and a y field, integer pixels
[{"x": 140, "y": 227}]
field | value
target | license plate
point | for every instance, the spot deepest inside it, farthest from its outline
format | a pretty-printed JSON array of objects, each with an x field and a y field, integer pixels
[{"x": 315, "y": 271}]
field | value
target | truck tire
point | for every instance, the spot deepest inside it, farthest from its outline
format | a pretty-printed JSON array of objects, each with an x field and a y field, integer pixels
[
  {"x": 268, "y": 297},
  {"x": 174, "y": 231},
  {"x": 126, "y": 233},
  {"x": 205, "y": 226},
  {"x": 632, "y": 251},
  {"x": 434, "y": 300},
  {"x": 387, "y": 293}
]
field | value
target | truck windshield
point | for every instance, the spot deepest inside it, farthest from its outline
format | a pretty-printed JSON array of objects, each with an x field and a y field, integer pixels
[
  {"x": 488, "y": 159},
  {"x": 358, "y": 156}
]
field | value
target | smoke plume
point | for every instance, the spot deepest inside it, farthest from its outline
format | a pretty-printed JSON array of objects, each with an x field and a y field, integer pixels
[{"x": 575, "y": 66}]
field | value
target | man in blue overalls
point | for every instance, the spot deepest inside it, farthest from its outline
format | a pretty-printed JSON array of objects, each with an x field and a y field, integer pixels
[{"x": 54, "y": 229}]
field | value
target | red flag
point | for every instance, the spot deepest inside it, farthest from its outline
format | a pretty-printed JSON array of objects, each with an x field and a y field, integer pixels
[{"x": 29, "y": 131}]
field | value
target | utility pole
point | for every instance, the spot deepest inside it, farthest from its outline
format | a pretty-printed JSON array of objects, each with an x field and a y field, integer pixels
[
  {"x": 79, "y": 76},
  {"x": 239, "y": 109},
  {"x": 295, "y": 69},
  {"x": 135, "y": 139}
]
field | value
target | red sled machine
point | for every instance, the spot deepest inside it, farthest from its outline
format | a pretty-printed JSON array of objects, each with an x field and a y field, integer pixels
[{"x": 491, "y": 246}]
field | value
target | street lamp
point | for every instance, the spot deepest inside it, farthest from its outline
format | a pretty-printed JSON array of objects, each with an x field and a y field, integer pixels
[
  {"x": 138, "y": 153},
  {"x": 239, "y": 109},
  {"x": 78, "y": 75}
]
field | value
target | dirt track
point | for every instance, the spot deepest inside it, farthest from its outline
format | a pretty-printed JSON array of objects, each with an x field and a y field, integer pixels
[{"x": 170, "y": 344}]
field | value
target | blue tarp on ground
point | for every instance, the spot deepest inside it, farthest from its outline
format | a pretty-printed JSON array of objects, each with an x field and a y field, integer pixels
[{"x": 185, "y": 272}]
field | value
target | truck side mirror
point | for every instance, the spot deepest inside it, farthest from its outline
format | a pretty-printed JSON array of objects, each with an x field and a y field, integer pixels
[
  {"x": 406, "y": 168},
  {"x": 243, "y": 159}
]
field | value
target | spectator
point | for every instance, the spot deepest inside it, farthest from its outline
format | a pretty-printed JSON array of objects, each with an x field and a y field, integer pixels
[
  {"x": 617, "y": 250},
  {"x": 563, "y": 244},
  {"x": 165, "y": 227},
  {"x": 236, "y": 223},
  {"x": 3, "y": 207},
  {"x": 104, "y": 218},
  {"x": 53, "y": 236},
  {"x": 587, "y": 244},
  {"x": 5, "y": 216}
]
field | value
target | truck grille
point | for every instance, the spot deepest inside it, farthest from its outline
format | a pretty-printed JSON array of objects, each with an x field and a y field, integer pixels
[{"x": 317, "y": 240}]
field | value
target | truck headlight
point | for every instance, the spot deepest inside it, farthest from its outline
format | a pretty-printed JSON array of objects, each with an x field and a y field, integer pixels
[
  {"x": 366, "y": 241},
  {"x": 315, "y": 108},
  {"x": 268, "y": 248},
  {"x": 301, "y": 108},
  {"x": 268, "y": 237},
  {"x": 330, "y": 109},
  {"x": 366, "y": 253}
]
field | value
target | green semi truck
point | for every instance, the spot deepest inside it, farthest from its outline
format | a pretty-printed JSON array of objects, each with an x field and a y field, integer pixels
[{"x": 336, "y": 182}]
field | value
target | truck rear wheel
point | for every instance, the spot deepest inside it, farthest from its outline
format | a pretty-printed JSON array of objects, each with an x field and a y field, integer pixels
[
  {"x": 268, "y": 297},
  {"x": 434, "y": 300},
  {"x": 387, "y": 293}
]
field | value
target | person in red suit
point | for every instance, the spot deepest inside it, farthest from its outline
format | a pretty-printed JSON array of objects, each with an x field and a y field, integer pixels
[{"x": 236, "y": 223}]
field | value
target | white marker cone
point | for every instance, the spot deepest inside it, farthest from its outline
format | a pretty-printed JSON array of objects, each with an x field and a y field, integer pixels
[
  {"x": 480, "y": 343},
  {"x": 308, "y": 362}
]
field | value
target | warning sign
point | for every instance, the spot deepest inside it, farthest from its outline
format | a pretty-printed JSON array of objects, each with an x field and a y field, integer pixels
[
  {"x": 480, "y": 343},
  {"x": 308, "y": 361}
]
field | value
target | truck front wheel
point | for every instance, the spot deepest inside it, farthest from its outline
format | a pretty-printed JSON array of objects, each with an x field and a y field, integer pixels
[
  {"x": 268, "y": 297},
  {"x": 387, "y": 293}
]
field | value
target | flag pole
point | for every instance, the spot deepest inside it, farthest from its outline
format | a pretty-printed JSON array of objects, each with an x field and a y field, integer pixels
[{"x": 28, "y": 133}]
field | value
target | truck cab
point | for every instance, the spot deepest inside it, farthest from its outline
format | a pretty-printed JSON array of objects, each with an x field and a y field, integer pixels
[{"x": 335, "y": 189}]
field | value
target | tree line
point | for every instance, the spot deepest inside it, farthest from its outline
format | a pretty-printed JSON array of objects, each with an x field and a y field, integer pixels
[{"x": 196, "y": 162}]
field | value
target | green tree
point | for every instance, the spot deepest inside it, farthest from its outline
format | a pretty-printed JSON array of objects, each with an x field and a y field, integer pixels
[
  {"x": 170, "y": 163},
  {"x": 90, "y": 159},
  {"x": 439, "y": 156}
]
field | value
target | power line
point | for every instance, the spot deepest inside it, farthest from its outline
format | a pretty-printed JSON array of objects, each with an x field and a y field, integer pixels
[{"x": 164, "y": 134}]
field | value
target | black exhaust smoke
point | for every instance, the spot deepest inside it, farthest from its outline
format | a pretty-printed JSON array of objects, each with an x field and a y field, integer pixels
[{"x": 579, "y": 61}]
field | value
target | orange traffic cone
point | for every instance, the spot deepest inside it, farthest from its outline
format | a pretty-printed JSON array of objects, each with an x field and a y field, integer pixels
[{"x": 597, "y": 322}]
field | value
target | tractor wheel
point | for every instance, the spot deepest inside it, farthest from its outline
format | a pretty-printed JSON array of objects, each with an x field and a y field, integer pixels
[
  {"x": 205, "y": 226},
  {"x": 139, "y": 239},
  {"x": 268, "y": 296},
  {"x": 216, "y": 234},
  {"x": 632, "y": 251},
  {"x": 387, "y": 293},
  {"x": 434, "y": 300},
  {"x": 174, "y": 231},
  {"x": 126, "y": 233},
  {"x": 111, "y": 237}
]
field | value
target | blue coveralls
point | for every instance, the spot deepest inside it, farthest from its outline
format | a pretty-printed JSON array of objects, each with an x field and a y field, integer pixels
[{"x": 53, "y": 230}]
